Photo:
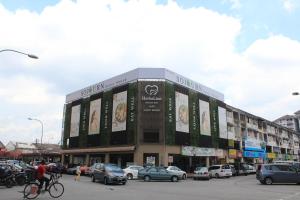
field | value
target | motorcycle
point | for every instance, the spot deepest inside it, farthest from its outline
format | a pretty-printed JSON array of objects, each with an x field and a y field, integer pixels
[
  {"x": 20, "y": 178},
  {"x": 6, "y": 177}
]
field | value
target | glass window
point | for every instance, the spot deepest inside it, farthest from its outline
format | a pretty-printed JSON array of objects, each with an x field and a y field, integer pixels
[{"x": 152, "y": 170}]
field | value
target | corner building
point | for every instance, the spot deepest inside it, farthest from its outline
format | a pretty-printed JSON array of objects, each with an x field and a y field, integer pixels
[{"x": 150, "y": 116}]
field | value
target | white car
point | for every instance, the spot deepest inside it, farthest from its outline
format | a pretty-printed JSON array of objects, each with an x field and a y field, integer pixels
[
  {"x": 178, "y": 171},
  {"x": 219, "y": 171},
  {"x": 132, "y": 171}
]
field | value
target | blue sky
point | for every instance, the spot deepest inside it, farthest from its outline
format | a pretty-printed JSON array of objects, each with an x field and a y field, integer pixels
[{"x": 248, "y": 50}]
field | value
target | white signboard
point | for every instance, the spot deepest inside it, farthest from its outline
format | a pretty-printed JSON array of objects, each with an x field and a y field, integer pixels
[
  {"x": 75, "y": 120},
  {"x": 94, "y": 119},
  {"x": 119, "y": 114},
  {"x": 204, "y": 118},
  {"x": 222, "y": 123},
  {"x": 197, "y": 151},
  {"x": 182, "y": 112}
]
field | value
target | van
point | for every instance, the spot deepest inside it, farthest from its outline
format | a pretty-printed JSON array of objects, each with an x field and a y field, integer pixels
[
  {"x": 219, "y": 171},
  {"x": 277, "y": 173}
]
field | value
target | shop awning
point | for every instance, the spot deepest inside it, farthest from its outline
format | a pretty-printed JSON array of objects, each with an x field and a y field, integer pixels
[{"x": 99, "y": 150}]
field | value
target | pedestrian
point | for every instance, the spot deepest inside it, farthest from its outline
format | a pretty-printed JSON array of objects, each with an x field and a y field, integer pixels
[
  {"x": 78, "y": 172},
  {"x": 41, "y": 171}
]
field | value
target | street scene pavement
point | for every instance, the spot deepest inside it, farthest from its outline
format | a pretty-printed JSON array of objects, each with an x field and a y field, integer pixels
[{"x": 235, "y": 188}]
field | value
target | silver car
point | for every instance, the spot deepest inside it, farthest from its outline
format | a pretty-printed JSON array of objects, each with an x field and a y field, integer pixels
[
  {"x": 176, "y": 170},
  {"x": 201, "y": 173}
]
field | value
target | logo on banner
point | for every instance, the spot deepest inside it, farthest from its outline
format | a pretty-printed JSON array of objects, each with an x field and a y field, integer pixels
[{"x": 151, "y": 90}]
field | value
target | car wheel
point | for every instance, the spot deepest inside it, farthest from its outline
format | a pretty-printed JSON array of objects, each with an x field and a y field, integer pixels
[
  {"x": 129, "y": 176},
  {"x": 183, "y": 176},
  {"x": 262, "y": 182},
  {"x": 105, "y": 181},
  {"x": 147, "y": 178},
  {"x": 217, "y": 175},
  {"x": 268, "y": 181},
  {"x": 174, "y": 179},
  {"x": 93, "y": 178},
  {"x": 124, "y": 183}
]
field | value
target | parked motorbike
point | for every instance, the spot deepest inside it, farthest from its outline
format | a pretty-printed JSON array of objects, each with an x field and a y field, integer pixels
[
  {"x": 20, "y": 178},
  {"x": 6, "y": 177}
]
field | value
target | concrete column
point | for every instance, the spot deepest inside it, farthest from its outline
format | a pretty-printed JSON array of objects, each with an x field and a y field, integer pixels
[
  {"x": 106, "y": 159},
  {"x": 71, "y": 158},
  {"x": 87, "y": 159},
  {"x": 207, "y": 161},
  {"x": 62, "y": 158}
]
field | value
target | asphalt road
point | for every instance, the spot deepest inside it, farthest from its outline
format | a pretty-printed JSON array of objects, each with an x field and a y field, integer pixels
[{"x": 235, "y": 188}]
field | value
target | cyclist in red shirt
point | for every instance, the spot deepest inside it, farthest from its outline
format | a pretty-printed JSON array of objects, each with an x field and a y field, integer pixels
[{"x": 41, "y": 175}]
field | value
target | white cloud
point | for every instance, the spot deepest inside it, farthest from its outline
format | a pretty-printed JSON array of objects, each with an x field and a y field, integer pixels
[
  {"x": 84, "y": 42},
  {"x": 289, "y": 5}
]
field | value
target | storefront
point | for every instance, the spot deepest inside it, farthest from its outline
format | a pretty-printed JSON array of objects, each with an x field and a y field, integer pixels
[{"x": 254, "y": 151}]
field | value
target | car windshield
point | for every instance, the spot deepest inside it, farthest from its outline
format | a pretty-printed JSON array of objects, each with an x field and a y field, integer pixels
[
  {"x": 202, "y": 169},
  {"x": 113, "y": 168}
]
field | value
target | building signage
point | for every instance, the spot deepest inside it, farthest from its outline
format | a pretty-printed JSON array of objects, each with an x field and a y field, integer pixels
[
  {"x": 182, "y": 112},
  {"x": 253, "y": 145},
  {"x": 276, "y": 150},
  {"x": 232, "y": 153},
  {"x": 94, "y": 118},
  {"x": 197, "y": 151},
  {"x": 75, "y": 120},
  {"x": 144, "y": 73},
  {"x": 151, "y": 97},
  {"x": 119, "y": 114},
  {"x": 204, "y": 118},
  {"x": 150, "y": 160},
  {"x": 220, "y": 153},
  {"x": 254, "y": 154},
  {"x": 271, "y": 155},
  {"x": 222, "y": 122}
]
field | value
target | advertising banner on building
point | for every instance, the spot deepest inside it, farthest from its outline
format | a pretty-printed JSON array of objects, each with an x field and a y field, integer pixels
[
  {"x": 232, "y": 153},
  {"x": 253, "y": 145},
  {"x": 271, "y": 155},
  {"x": 119, "y": 113},
  {"x": 75, "y": 118},
  {"x": 197, "y": 151},
  {"x": 204, "y": 118},
  {"x": 94, "y": 118},
  {"x": 170, "y": 116},
  {"x": 182, "y": 112},
  {"x": 254, "y": 154},
  {"x": 222, "y": 123}
]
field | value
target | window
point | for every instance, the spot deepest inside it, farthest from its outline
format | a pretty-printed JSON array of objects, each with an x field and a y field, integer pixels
[{"x": 152, "y": 170}]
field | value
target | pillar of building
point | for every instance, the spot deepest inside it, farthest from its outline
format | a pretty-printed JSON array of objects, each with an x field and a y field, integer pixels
[
  {"x": 62, "y": 158},
  {"x": 119, "y": 161},
  {"x": 207, "y": 161},
  {"x": 106, "y": 159},
  {"x": 71, "y": 158},
  {"x": 87, "y": 159}
]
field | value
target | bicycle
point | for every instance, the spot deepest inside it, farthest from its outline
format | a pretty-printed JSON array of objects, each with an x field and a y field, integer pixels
[{"x": 55, "y": 189}]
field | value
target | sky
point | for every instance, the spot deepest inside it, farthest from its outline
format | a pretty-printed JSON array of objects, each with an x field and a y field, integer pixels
[{"x": 249, "y": 50}]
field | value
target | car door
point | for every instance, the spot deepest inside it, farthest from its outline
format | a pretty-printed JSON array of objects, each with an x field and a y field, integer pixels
[
  {"x": 97, "y": 171},
  {"x": 164, "y": 174},
  {"x": 153, "y": 173}
]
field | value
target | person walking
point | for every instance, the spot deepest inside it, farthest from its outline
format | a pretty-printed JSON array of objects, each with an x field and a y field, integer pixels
[{"x": 78, "y": 172}]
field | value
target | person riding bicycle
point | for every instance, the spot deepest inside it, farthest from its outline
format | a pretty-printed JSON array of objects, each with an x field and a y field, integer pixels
[{"x": 41, "y": 171}]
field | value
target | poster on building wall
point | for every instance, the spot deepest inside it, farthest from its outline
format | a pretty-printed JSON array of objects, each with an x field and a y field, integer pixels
[
  {"x": 222, "y": 123},
  {"x": 204, "y": 118},
  {"x": 94, "y": 119},
  {"x": 75, "y": 118},
  {"x": 182, "y": 112},
  {"x": 119, "y": 114}
]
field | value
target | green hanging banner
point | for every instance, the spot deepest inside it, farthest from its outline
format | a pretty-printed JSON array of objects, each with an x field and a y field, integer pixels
[
  {"x": 67, "y": 124},
  {"x": 214, "y": 123},
  {"x": 105, "y": 124},
  {"x": 84, "y": 120},
  {"x": 170, "y": 114},
  {"x": 194, "y": 118},
  {"x": 132, "y": 113}
]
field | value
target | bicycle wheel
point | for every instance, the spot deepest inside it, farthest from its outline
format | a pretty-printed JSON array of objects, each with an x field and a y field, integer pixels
[
  {"x": 56, "y": 190},
  {"x": 31, "y": 191}
]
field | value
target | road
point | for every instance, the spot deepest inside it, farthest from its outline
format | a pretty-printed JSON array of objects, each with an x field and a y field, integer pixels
[{"x": 235, "y": 188}]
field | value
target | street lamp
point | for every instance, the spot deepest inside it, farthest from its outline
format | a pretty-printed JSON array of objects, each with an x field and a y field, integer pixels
[
  {"x": 295, "y": 93},
  {"x": 29, "y": 118},
  {"x": 29, "y": 55}
]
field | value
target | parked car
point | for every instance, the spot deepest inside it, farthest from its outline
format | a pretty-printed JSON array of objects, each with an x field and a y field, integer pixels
[
  {"x": 201, "y": 173},
  {"x": 233, "y": 170},
  {"x": 85, "y": 170},
  {"x": 219, "y": 171},
  {"x": 241, "y": 169},
  {"x": 277, "y": 173},
  {"x": 158, "y": 173},
  {"x": 131, "y": 172},
  {"x": 109, "y": 173},
  {"x": 177, "y": 171},
  {"x": 251, "y": 169}
]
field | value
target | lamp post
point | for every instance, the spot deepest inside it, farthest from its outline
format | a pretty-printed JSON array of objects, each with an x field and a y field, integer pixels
[
  {"x": 29, "y": 118},
  {"x": 295, "y": 93},
  {"x": 29, "y": 55}
]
